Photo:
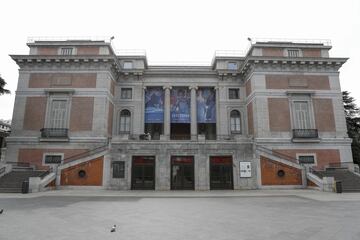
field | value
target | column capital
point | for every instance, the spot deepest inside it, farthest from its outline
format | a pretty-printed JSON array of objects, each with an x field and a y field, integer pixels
[
  {"x": 167, "y": 87},
  {"x": 193, "y": 87}
]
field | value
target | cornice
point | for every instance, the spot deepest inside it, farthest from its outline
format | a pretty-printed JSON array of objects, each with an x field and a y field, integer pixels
[{"x": 252, "y": 62}]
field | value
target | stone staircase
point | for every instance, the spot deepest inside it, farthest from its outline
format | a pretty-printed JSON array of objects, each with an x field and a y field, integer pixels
[
  {"x": 12, "y": 181},
  {"x": 350, "y": 181}
]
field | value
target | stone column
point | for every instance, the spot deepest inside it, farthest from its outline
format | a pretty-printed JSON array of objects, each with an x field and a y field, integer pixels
[
  {"x": 193, "y": 115},
  {"x": 142, "y": 120},
  {"x": 218, "y": 132},
  {"x": 167, "y": 112}
]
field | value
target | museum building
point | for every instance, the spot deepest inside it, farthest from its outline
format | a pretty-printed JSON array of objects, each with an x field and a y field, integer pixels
[{"x": 94, "y": 116}]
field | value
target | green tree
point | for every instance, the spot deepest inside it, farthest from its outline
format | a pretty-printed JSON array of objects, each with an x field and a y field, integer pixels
[
  {"x": 352, "y": 114},
  {"x": 2, "y": 85}
]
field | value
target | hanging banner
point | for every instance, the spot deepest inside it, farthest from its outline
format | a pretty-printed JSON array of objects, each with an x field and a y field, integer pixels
[
  {"x": 206, "y": 105},
  {"x": 180, "y": 105},
  {"x": 154, "y": 105}
]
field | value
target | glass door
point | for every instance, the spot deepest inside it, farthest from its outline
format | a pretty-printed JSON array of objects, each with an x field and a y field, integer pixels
[
  {"x": 182, "y": 173},
  {"x": 143, "y": 173},
  {"x": 221, "y": 172}
]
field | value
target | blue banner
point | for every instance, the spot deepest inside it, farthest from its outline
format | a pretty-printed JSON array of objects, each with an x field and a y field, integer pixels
[
  {"x": 154, "y": 105},
  {"x": 180, "y": 105},
  {"x": 206, "y": 105}
]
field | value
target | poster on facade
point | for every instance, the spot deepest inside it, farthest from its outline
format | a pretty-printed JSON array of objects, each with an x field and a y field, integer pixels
[
  {"x": 206, "y": 105},
  {"x": 154, "y": 105},
  {"x": 180, "y": 105},
  {"x": 245, "y": 169}
]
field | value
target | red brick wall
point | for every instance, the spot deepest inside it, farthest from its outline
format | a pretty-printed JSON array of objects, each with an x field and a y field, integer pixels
[
  {"x": 35, "y": 156},
  {"x": 47, "y": 50},
  {"x": 273, "y": 52},
  {"x": 311, "y": 183},
  {"x": 323, "y": 156},
  {"x": 279, "y": 52},
  {"x": 34, "y": 117},
  {"x": 82, "y": 110},
  {"x": 88, "y": 50},
  {"x": 80, "y": 50},
  {"x": 313, "y": 82},
  {"x": 250, "y": 118},
  {"x": 93, "y": 177},
  {"x": 311, "y": 52},
  {"x": 279, "y": 114},
  {"x": 324, "y": 115},
  {"x": 269, "y": 170},
  {"x": 61, "y": 80}
]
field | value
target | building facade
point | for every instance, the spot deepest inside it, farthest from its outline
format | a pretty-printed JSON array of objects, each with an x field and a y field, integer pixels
[{"x": 101, "y": 118}]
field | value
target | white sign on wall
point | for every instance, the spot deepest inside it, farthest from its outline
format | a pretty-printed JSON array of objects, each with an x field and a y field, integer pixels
[{"x": 245, "y": 169}]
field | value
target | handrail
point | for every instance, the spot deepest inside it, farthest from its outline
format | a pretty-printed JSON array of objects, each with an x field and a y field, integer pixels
[
  {"x": 338, "y": 165},
  {"x": 305, "y": 133},
  {"x": 2, "y": 170},
  {"x": 325, "y": 42},
  {"x": 315, "y": 171},
  {"x": 20, "y": 164},
  {"x": 44, "y": 174},
  {"x": 147, "y": 137},
  {"x": 278, "y": 154},
  {"x": 84, "y": 154},
  {"x": 68, "y": 38}
]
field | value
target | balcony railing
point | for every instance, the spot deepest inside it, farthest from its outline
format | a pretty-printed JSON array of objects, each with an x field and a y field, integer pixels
[
  {"x": 54, "y": 132},
  {"x": 305, "y": 133}
]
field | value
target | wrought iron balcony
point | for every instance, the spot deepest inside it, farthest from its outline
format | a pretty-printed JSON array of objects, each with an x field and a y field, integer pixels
[
  {"x": 54, "y": 132},
  {"x": 305, "y": 133}
]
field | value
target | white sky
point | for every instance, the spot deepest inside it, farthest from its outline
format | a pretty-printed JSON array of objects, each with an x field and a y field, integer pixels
[{"x": 184, "y": 30}]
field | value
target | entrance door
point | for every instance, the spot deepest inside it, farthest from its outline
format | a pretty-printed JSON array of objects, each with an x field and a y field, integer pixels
[
  {"x": 182, "y": 173},
  {"x": 221, "y": 172},
  {"x": 143, "y": 173}
]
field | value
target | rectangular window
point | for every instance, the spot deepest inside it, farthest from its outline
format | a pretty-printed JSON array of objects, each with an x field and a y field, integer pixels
[
  {"x": 307, "y": 159},
  {"x": 302, "y": 116},
  {"x": 58, "y": 116},
  {"x": 53, "y": 159},
  {"x": 126, "y": 93},
  {"x": 118, "y": 169},
  {"x": 128, "y": 65},
  {"x": 235, "y": 124},
  {"x": 232, "y": 66},
  {"x": 294, "y": 53},
  {"x": 234, "y": 93},
  {"x": 66, "y": 51},
  {"x": 125, "y": 119}
]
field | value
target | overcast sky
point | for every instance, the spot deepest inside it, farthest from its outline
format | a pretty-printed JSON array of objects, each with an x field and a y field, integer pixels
[{"x": 185, "y": 30}]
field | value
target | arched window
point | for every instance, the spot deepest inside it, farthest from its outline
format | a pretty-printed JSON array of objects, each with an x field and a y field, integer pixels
[
  {"x": 125, "y": 120},
  {"x": 235, "y": 121}
]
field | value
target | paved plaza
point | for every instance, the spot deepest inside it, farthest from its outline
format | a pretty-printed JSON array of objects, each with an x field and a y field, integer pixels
[{"x": 271, "y": 214}]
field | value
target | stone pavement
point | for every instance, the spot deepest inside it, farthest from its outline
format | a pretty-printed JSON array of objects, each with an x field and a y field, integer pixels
[
  {"x": 301, "y": 193},
  {"x": 257, "y": 214}
]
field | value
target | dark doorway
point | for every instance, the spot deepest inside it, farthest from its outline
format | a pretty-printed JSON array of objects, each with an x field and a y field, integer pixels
[
  {"x": 182, "y": 173},
  {"x": 143, "y": 173},
  {"x": 207, "y": 129},
  {"x": 154, "y": 129},
  {"x": 180, "y": 131},
  {"x": 221, "y": 172}
]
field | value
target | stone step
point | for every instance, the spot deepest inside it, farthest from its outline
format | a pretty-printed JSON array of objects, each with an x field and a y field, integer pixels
[
  {"x": 12, "y": 182},
  {"x": 10, "y": 190},
  {"x": 350, "y": 181}
]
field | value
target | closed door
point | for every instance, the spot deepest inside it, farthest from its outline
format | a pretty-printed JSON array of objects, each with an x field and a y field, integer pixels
[
  {"x": 182, "y": 173},
  {"x": 143, "y": 173}
]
